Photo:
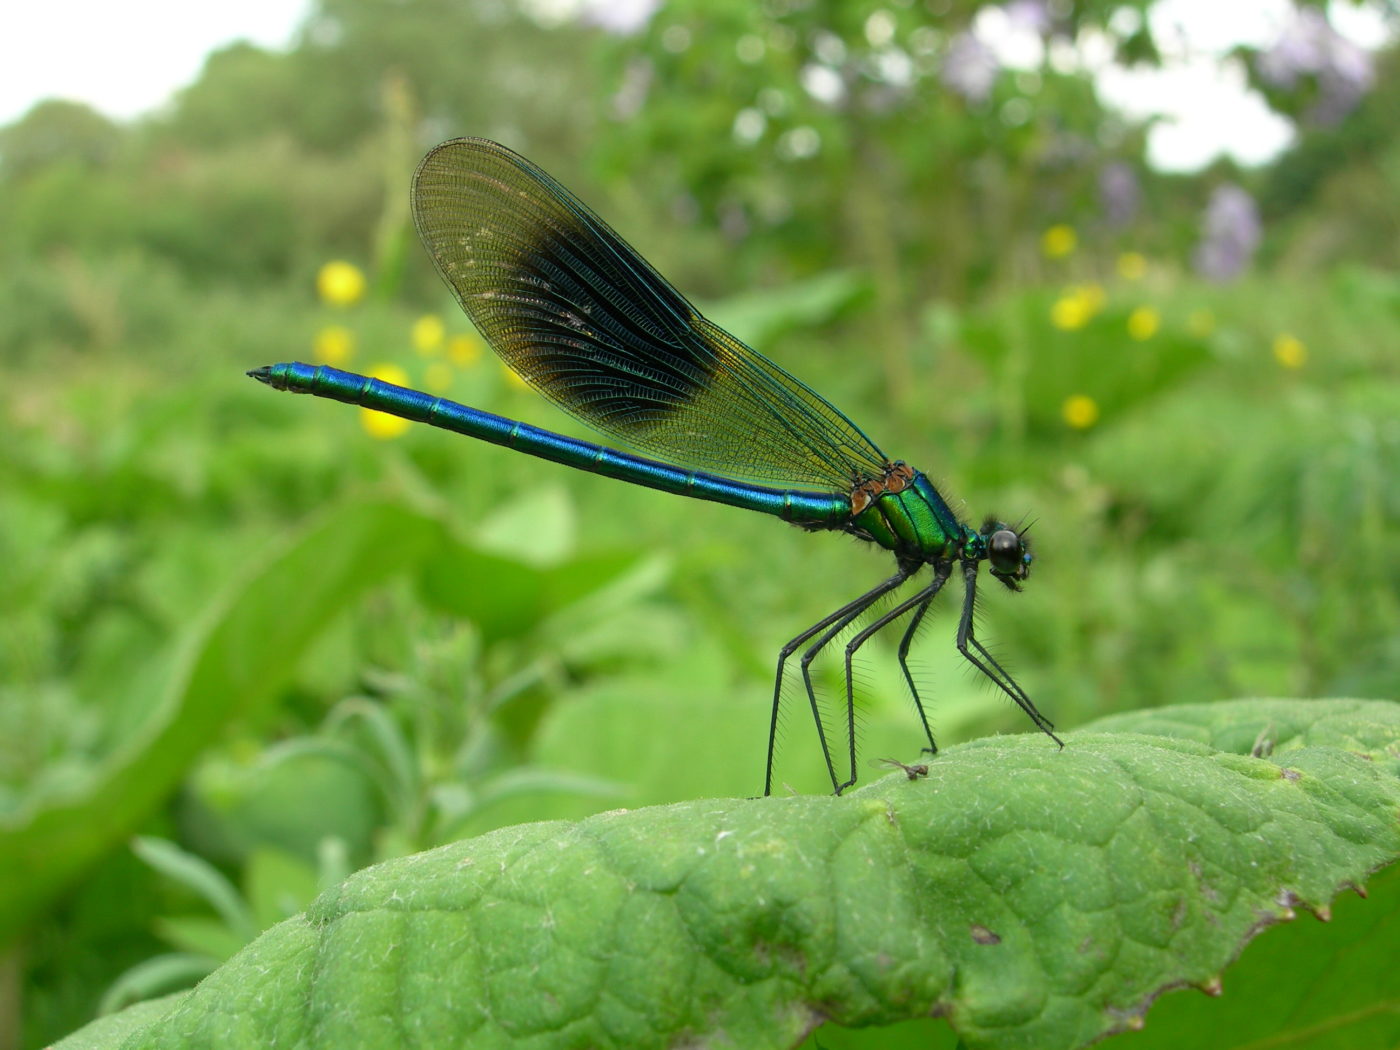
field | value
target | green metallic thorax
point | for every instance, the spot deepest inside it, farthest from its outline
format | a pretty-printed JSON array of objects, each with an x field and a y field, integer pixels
[{"x": 914, "y": 522}]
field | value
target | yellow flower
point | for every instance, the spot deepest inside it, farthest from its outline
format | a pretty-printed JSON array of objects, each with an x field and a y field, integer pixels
[
  {"x": 437, "y": 378},
  {"x": 464, "y": 350},
  {"x": 1069, "y": 312},
  {"x": 1200, "y": 323},
  {"x": 428, "y": 333},
  {"x": 1143, "y": 323},
  {"x": 1132, "y": 266},
  {"x": 1075, "y": 308},
  {"x": 381, "y": 424},
  {"x": 340, "y": 283},
  {"x": 514, "y": 378},
  {"x": 1080, "y": 411},
  {"x": 1289, "y": 351},
  {"x": 334, "y": 345},
  {"x": 1058, "y": 241}
]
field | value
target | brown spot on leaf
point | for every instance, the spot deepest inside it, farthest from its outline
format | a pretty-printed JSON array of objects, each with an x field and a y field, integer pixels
[{"x": 982, "y": 935}]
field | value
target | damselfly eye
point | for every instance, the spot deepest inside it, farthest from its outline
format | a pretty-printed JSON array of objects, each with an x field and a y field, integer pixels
[{"x": 1004, "y": 552}]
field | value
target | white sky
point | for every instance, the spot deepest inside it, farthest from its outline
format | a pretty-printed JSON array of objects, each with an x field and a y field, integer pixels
[{"x": 126, "y": 59}]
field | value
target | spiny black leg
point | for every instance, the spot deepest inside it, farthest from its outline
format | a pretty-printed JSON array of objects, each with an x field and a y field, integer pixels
[
  {"x": 920, "y": 601},
  {"x": 787, "y": 650},
  {"x": 857, "y": 609},
  {"x": 833, "y": 624},
  {"x": 940, "y": 577},
  {"x": 967, "y": 642}
]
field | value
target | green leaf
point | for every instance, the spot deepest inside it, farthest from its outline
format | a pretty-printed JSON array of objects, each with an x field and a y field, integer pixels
[
  {"x": 201, "y": 935},
  {"x": 278, "y": 884},
  {"x": 1033, "y": 897},
  {"x": 156, "y": 977},
  {"x": 1308, "y": 986},
  {"x": 502, "y": 597},
  {"x": 537, "y": 528},
  {"x": 238, "y": 657},
  {"x": 111, "y": 1030},
  {"x": 200, "y": 877},
  {"x": 759, "y": 318},
  {"x": 290, "y": 796}
]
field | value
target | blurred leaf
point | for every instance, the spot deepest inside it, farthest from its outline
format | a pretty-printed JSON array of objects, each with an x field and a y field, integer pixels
[
  {"x": 203, "y": 936},
  {"x": 1045, "y": 366},
  {"x": 156, "y": 977},
  {"x": 201, "y": 878},
  {"x": 760, "y": 318},
  {"x": 502, "y": 596},
  {"x": 522, "y": 788},
  {"x": 506, "y": 597},
  {"x": 536, "y": 528},
  {"x": 1033, "y": 897},
  {"x": 291, "y": 796},
  {"x": 238, "y": 657},
  {"x": 619, "y": 578},
  {"x": 278, "y": 885},
  {"x": 394, "y": 759}
]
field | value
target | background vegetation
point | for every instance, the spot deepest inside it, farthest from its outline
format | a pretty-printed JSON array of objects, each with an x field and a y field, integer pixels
[{"x": 280, "y": 640}]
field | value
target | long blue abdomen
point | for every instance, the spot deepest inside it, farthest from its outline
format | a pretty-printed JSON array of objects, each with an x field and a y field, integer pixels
[{"x": 812, "y": 509}]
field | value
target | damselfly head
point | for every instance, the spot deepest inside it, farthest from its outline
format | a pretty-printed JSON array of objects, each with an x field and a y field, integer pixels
[{"x": 1008, "y": 552}]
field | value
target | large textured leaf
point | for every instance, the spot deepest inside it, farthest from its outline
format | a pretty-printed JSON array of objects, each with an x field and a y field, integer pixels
[
  {"x": 1033, "y": 897},
  {"x": 1307, "y": 986}
]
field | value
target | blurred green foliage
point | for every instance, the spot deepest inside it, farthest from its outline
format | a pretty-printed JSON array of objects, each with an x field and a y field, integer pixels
[{"x": 236, "y": 622}]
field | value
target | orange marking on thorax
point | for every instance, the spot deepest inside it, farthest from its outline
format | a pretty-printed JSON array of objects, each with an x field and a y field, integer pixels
[{"x": 897, "y": 478}]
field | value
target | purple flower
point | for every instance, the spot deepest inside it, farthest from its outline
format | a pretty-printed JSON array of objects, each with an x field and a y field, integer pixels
[
  {"x": 1310, "y": 47},
  {"x": 1029, "y": 14},
  {"x": 1229, "y": 235},
  {"x": 969, "y": 68},
  {"x": 1119, "y": 193}
]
